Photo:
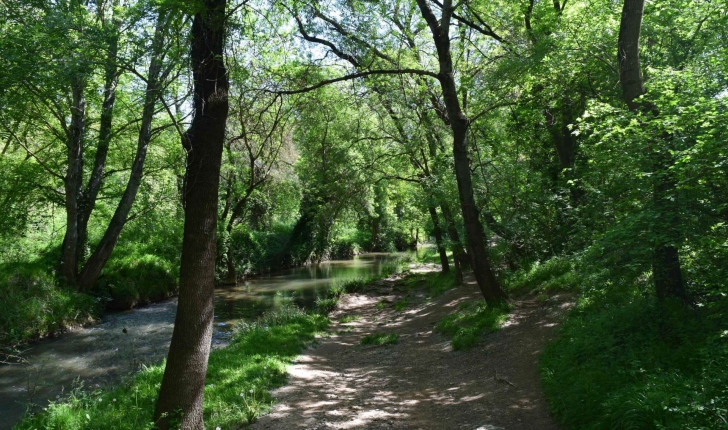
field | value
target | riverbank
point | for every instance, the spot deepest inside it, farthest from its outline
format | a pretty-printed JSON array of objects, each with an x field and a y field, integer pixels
[
  {"x": 104, "y": 354},
  {"x": 387, "y": 359}
]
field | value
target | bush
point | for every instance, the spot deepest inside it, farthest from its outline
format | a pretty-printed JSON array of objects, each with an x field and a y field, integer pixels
[
  {"x": 343, "y": 249},
  {"x": 138, "y": 279},
  {"x": 33, "y": 305},
  {"x": 256, "y": 251},
  {"x": 556, "y": 274}
]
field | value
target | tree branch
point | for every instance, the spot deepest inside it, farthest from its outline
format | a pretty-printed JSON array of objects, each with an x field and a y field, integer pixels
[{"x": 356, "y": 76}]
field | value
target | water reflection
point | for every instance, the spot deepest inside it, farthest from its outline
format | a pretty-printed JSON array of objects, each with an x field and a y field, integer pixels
[
  {"x": 303, "y": 285},
  {"x": 102, "y": 354}
]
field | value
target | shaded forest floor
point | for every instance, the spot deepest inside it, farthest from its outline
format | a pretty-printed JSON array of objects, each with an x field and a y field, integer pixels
[{"x": 419, "y": 382}]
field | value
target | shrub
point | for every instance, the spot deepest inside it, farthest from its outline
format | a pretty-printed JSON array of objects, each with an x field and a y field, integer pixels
[
  {"x": 138, "y": 279},
  {"x": 555, "y": 274}
]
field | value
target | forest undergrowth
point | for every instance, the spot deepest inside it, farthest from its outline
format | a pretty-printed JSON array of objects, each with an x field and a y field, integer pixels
[{"x": 626, "y": 360}]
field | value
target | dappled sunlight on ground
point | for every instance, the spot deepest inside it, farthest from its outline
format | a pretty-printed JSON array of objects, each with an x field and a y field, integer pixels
[{"x": 420, "y": 382}]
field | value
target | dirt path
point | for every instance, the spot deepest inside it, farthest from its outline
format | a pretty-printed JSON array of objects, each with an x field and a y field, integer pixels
[{"x": 419, "y": 383}]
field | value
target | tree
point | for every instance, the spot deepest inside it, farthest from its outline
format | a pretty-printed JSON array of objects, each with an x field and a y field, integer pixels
[
  {"x": 459, "y": 124},
  {"x": 181, "y": 394},
  {"x": 666, "y": 269}
]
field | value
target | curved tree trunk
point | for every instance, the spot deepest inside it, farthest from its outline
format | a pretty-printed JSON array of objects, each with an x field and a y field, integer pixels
[
  {"x": 666, "y": 269},
  {"x": 459, "y": 124},
  {"x": 96, "y": 262},
  {"x": 111, "y": 79},
  {"x": 181, "y": 394}
]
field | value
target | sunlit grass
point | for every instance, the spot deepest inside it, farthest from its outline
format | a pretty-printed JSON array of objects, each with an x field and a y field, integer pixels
[
  {"x": 239, "y": 378},
  {"x": 466, "y": 326},
  {"x": 378, "y": 339}
]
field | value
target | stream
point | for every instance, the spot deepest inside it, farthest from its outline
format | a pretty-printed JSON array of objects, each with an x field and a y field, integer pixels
[{"x": 121, "y": 343}]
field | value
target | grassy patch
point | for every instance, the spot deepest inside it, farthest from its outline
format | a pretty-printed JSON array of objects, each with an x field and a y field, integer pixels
[
  {"x": 434, "y": 284},
  {"x": 349, "y": 318},
  {"x": 239, "y": 378},
  {"x": 33, "y": 305},
  {"x": 557, "y": 274},
  {"x": 380, "y": 339},
  {"x": 633, "y": 363},
  {"x": 401, "y": 305},
  {"x": 470, "y": 322},
  {"x": 326, "y": 305}
]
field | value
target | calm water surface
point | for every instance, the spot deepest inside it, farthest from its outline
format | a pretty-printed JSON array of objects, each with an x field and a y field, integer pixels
[{"x": 103, "y": 354}]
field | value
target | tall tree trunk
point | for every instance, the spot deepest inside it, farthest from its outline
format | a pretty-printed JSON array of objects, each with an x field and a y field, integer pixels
[
  {"x": 459, "y": 124},
  {"x": 111, "y": 79},
  {"x": 437, "y": 231},
  {"x": 95, "y": 264},
  {"x": 666, "y": 269},
  {"x": 183, "y": 383},
  {"x": 73, "y": 180}
]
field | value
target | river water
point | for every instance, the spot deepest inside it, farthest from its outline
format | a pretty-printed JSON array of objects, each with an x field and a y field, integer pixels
[{"x": 121, "y": 343}]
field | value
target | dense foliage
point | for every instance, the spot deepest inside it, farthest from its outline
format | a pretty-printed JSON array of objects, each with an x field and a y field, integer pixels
[{"x": 505, "y": 133}]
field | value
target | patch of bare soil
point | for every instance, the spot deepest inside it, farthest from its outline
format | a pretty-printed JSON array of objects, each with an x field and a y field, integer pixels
[{"x": 420, "y": 382}]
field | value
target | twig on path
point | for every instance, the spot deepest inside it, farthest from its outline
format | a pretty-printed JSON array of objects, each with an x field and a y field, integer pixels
[{"x": 498, "y": 379}]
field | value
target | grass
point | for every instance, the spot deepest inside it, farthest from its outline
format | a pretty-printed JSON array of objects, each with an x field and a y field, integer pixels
[
  {"x": 401, "y": 305},
  {"x": 556, "y": 274},
  {"x": 349, "y": 318},
  {"x": 239, "y": 378},
  {"x": 626, "y": 361},
  {"x": 378, "y": 339},
  {"x": 638, "y": 364},
  {"x": 434, "y": 284},
  {"x": 466, "y": 326},
  {"x": 34, "y": 305}
]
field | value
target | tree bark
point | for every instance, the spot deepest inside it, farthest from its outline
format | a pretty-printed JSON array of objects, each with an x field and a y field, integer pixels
[
  {"x": 437, "y": 232},
  {"x": 459, "y": 254},
  {"x": 96, "y": 262},
  {"x": 459, "y": 124},
  {"x": 183, "y": 383},
  {"x": 666, "y": 269},
  {"x": 111, "y": 79},
  {"x": 73, "y": 180}
]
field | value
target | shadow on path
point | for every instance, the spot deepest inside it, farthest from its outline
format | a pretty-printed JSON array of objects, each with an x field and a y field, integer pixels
[{"x": 419, "y": 383}]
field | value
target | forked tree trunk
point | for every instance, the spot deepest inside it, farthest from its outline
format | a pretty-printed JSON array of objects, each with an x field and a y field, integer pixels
[
  {"x": 459, "y": 124},
  {"x": 73, "y": 180},
  {"x": 111, "y": 79},
  {"x": 182, "y": 391},
  {"x": 96, "y": 262},
  {"x": 666, "y": 269}
]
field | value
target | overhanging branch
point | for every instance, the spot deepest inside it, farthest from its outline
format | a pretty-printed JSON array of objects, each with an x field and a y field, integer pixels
[{"x": 356, "y": 76}]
